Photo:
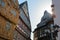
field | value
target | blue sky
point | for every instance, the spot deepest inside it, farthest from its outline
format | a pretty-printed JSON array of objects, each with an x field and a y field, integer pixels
[{"x": 36, "y": 10}]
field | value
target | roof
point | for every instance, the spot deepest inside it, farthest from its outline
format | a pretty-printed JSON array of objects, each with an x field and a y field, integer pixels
[
  {"x": 23, "y": 4},
  {"x": 25, "y": 15},
  {"x": 45, "y": 19}
]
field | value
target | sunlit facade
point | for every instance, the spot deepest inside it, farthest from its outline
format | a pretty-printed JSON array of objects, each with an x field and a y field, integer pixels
[{"x": 9, "y": 16}]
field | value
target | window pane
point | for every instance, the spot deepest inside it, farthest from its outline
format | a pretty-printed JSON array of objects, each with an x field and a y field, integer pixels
[
  {"x": 2, "y": 3},
  {"x": 8, "y": 25},
  {"x": 14, "y": 1},
  {"x": 13, "y": 12},
  {"x": 24, "y": 18}
]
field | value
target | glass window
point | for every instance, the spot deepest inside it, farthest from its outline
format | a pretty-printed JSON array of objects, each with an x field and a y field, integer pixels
[
  {"x": 8, "y": 25},
  {"x": 52, "y": 26},
  {"x": 14, "y": 1},
  {"x": 15, "y": 35},
  {"x": 2, "y": 3},
  {"x": 13, "y": 12},
  {"x": 25, "y": 9},
  {"x": 24, "y": 18}
]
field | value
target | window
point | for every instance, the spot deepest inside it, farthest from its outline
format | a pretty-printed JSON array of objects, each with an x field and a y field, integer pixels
[
  {"x": 2, "y": 3},
  {"x": 25, "y": 9},
  {"x": 15, "y": 34},
  {"x": 8, "y": 25},
  {"x": 24, "y": 18},
  {"x": 51, "y": 26},
  {"x": 14, "y": 1},
  {"x": 13, "y": 12}
]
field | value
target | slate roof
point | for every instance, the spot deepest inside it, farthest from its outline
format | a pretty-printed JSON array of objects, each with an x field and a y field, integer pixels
[
  {"x": 45, "y": 19},
  {"x": 23, "y": 4}
]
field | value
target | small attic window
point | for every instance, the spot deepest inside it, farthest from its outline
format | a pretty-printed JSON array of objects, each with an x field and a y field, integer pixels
[{"x": 2, "y": 3}]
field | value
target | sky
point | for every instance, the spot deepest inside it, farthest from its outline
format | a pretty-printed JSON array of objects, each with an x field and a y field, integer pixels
[{"x": 36, "y": 11}]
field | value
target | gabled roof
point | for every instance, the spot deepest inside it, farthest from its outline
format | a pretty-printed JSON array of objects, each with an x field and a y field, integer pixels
[
  {"x": 25, "y": 15},
  {"x": 23, "y": 4},
  {"x": 46, "y": 16},
  {"x": 45, "y": 19}
]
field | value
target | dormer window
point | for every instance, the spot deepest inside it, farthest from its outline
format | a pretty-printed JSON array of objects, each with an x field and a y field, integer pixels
[{"x": 2, "y": 3}]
